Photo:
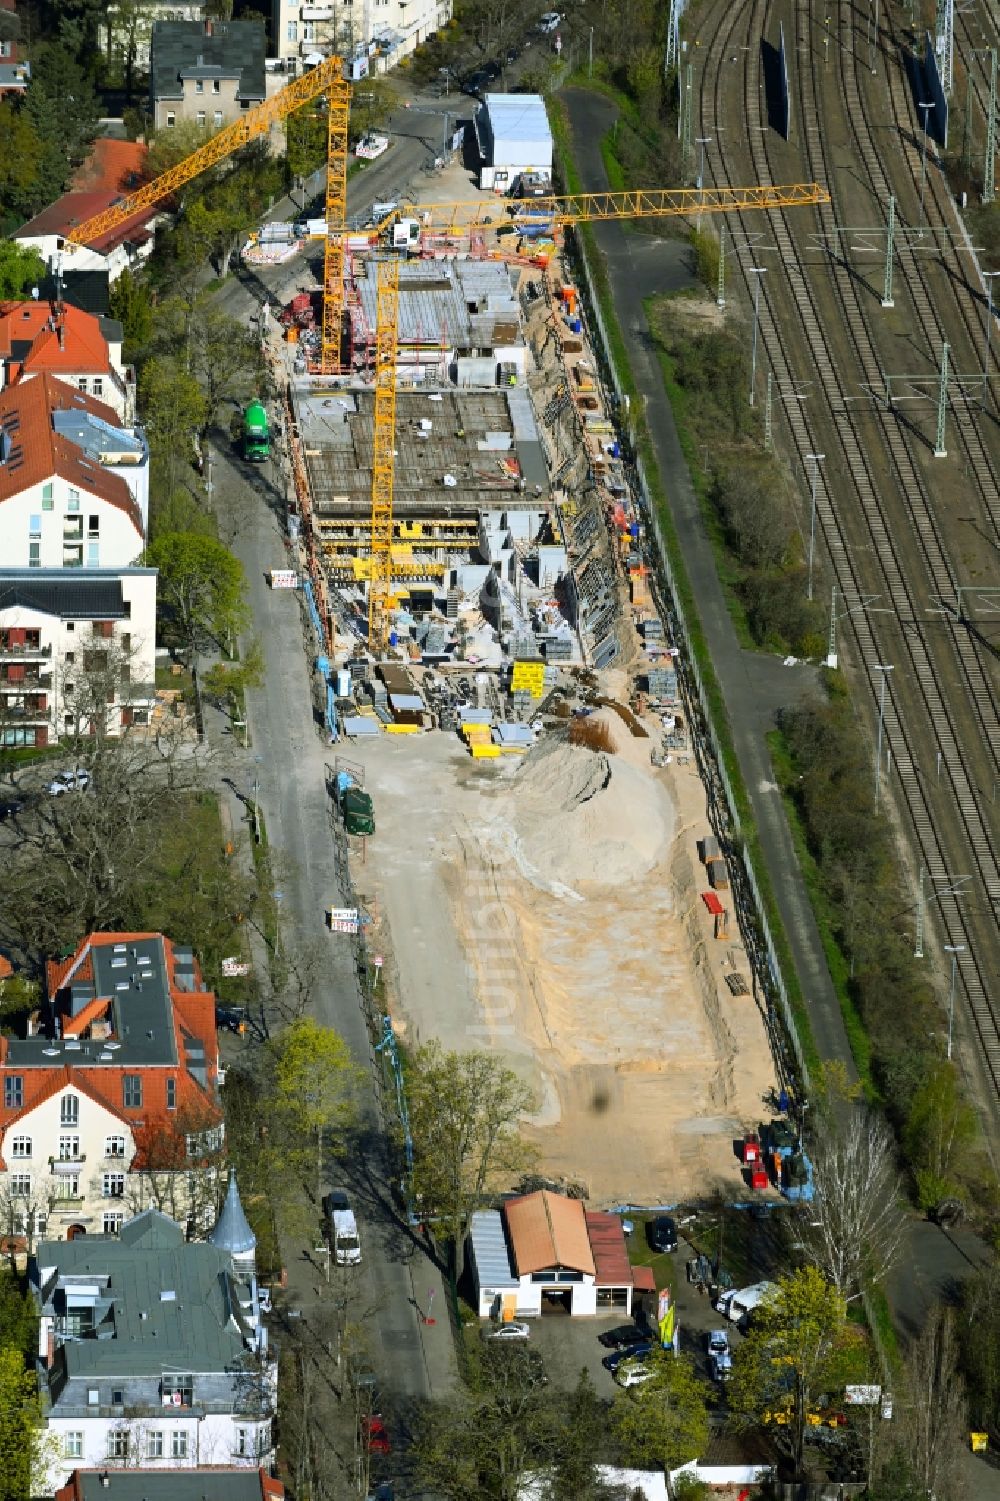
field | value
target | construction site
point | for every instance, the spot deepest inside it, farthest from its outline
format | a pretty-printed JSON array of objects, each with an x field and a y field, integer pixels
[{"x": 527, "y": 827}]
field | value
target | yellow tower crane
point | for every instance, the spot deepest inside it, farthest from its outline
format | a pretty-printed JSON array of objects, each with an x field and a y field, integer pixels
[
  {"x": 579, "y": 208},
  {"x": 326, "y": 79}
]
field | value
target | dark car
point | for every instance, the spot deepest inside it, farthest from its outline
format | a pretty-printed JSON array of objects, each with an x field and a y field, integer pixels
[
  {"x": 490, "y": 71},
  {"x": 622, "y": 1338},
  {"x": 233, "y": 1018},
  {"x": 513, "y": 53},
  {"x": 663, "y": 1233},
  {"x": 631, "y": 1352},
  {"x": 475, "y": 83},
  {"x": 11, "y": 808},
  {"x": 335, "y": 1200}
]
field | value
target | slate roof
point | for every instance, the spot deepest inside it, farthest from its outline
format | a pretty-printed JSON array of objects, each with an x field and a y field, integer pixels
[
  {"x": 174, "y": 1485},
  {"x": 194, "y": 49},
  {"x": 231, "y": 1231}
]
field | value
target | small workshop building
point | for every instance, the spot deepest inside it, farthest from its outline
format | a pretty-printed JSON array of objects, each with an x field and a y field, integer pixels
[{"x": 513, "y": 135}]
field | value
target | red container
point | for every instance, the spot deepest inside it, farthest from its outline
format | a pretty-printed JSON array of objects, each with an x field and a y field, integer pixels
[
  {"x": 758, "y": 1177},
  {"x": 751, "y": 1149}
]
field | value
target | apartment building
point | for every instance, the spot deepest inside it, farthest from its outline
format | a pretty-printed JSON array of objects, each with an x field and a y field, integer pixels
[
  {"x": 112, "y": 1103},
  {"x": 39, "y": 337},
  {"x": 15, "y": 70},
  {"x": 206, "y": 73},
  {"x": 215, "y": 1483},
  {"x": 377, "y": 32},
  {"x": 151, "y": 1353}
]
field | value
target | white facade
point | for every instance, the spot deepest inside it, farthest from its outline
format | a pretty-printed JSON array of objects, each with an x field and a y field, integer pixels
[
  {"x": 56, "y": 524},
  {"x": 40, "y": 673},
  {"x": 165, "y": 1442},
  {"x": 513, "y": 135},
  {"x": 303, "y": 32},
  {"x": 125, "y": 256}
]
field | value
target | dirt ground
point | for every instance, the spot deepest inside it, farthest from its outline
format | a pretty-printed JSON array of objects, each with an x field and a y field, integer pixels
[{"x": 548, "y": 907}]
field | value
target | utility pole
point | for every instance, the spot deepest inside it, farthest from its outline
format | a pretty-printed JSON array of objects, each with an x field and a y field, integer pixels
[
  {"x": 767, "y": 416},
  {"x": 757, "y": 271},
  {"x": 945, "y": 38},
  {"x": 991, "y": 132},
  {"x": 817, "y": 459},
  {"x": 687, "y": 97},
  {"x": 872, "y": 36},
  {"x": 720, "y": 291},
  {"x": 954, "y": 949},
  {"x": 702, "y": 141},
  {"x": 926, "y": 107},
  {"x": 940, "y": 452},
  {"x": 890, "y": 234},
  {"x": 967, "y": 125},
  {"x": 831, "y": 646},
  {"x": 988, "y": 276},
  {"x": 885, "y": 670},
  {"x": 590, "y": 55},
  {"x": 918, "y": 937}
]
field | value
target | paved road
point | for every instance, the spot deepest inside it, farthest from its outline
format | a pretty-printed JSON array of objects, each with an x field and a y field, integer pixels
[{"x": 753, "y": 687}]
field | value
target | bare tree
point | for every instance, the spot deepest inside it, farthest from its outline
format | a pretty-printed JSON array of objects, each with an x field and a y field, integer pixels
[
  {"x": 922, "y": 1443},
  {"x": 857, "y": 1221},
  {"x": 180, "y": 1169}
]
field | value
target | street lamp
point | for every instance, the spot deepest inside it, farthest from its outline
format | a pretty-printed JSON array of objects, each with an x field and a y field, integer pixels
[
  {"x": 885, "y": 671},
  {"x": 817, "y": 459},
  {"x": 954, "y": 950},
  {"x": 590, "y": 55},
  {"x": 702, "y": 141},
  {"x": 758, "y": 271},
  {"x": 923, "y": 156},
  {"x": 988, "y": 276}
]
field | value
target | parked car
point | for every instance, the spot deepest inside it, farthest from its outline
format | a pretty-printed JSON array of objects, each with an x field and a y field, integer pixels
[
  {"x": 623, "y": 1337},
  {"x": 375, "y": 1435},
  {"x": 490, "y": 71},
  {"x": 512, "y": 1330},
  {"x": 11, "y": 808},
  {"x": 632, "y": 1352},
  {"x": 549, "y": 21},
  {"x": 663, "y": 1233},
  {"x": 233, "y": 1018},
  {"x": 632, "y": 1374},
  {"x": 68, "y": 781},
  {"x": 720, "y": 1359},
  {"x": 475, "y": 83}
]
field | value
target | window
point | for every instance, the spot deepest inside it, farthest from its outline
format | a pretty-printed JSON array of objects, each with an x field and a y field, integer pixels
[
  {"x": 93, "y": 1397},
  {"x": 217, "y": 118},
  {"x": 35, "y": 525},
  {"x": 98, "y": 387},
  {"x": 68, "y": 687},
  {"x": 154, "y": 1445},
  {"x": 73, "y": 501},
  {"x": 179, "y": 1445},
  {"x": 113, "y": 1223},
  {"x": 93, "y": 526},
  {"x": 21, "y": 1146},
  {"x": 68, "y": 1186},
  {"x": 73, "y": 1445},
  {"x": 34, "y": 555},
  {"x": 93, "y": 555},
  {"x": 132, "y": 1091},
  {"x": 292, "y": 31},
  {"x": 20, "y": 1185},
  {"x": 171, "y": 1094},
  {"x": 308, "y": 31},
  {"x": 13, "y": 1091},
  {"x": 246, "y": 1443},
  {"x": 82, "y": 383},
  {"x": 114, "y": 1146},
  {"x": 200, "y": 118},
  {"x": 69, "y": 1148},
  {"x": 171, "y": 118},
  {"x": 126, "y": 640},
  {"x": 118, "y": 1444},
  {"x": 117, "y": 1397},
  {"x": 48, "y": 504},
  {"x": 177, "y": 1391},
  {"x": 114, "y": 1185},
  {"x": 216, "y": 86},
  {"x": 71, "y": 625},
  {"x": 199, "y": 85},
  {"x": 69, "y": 1110}
]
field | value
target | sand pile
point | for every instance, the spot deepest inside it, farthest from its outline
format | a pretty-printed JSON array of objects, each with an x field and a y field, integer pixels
[{"x": 579, "y": 818}]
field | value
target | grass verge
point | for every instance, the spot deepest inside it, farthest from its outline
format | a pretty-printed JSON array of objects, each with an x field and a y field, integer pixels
[{"x": 697, "y": 643}]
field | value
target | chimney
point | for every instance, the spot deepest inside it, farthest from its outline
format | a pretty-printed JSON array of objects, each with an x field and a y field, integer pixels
[
  {"x": 50, "y": 1347},
  {"x": 208, "y": 28},
  {"x": 61, "y": 331}
]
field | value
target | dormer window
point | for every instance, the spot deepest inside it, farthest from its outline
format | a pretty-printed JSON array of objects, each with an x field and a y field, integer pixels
[{"x": 69, "y": 1110}]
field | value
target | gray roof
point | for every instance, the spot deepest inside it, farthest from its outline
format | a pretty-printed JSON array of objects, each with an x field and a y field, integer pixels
[
  {"x": 173, "y": 1485},
  {"x": 188, "y": 49},
  {"x": 98, "y": 439},
  {"x": 58, "y": 591},
  {"x": 231, "y": 1231},
  {"x": 157, "y": 1307},
  {"x": 489, "y": 1250},
  {"x": 463, "y": 304}
]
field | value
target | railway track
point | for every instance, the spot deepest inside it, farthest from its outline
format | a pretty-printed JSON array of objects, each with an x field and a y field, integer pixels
[{"x": 890, "y": 512}]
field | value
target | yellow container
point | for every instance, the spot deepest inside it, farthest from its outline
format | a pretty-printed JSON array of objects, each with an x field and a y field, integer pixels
[{"x": 485, "y": 752}]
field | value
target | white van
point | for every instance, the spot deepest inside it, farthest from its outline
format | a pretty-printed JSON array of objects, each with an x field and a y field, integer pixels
[
  {"x": 739, "y": 1303},
  {"x": 346, "y": 1245}
]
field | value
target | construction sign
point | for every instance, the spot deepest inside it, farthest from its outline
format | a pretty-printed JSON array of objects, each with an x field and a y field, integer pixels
[{"x": 528, "y": 677}]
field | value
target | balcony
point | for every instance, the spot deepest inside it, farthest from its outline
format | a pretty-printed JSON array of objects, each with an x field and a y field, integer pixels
[
  {"x": 316, "y": 13},
  {"x": 27, "y": 653},
  {"x": 67, "y": 1164}
]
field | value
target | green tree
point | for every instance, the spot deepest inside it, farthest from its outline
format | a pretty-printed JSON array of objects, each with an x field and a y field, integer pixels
[
  {"x": 21, "y": 1431},
  {"x": 62, "y": 108},
  {"x": 18, "y": 998},
  {"x": 20, "y": 268},
  {"x": 226, "y": 360},
  {"x": 464, "y": 1115},
  {"x": 577, "y": 1448},
  {"x": 18, "y": 1317},
  {"x": 20, "y": 157},
  {"x": 979, "y": 1332},
  {"x": 174, "y": 409},
  {"x": 800, "y": 1346},
  {"x": 941, "y": 1125},
  {"x": 664, "y": 1421},
  {"x": 306, "y": 133},
  {"x": 132, "y": 304},
  {"x": 202, "y": 587},
  {"x": 315, "y": 1079}
]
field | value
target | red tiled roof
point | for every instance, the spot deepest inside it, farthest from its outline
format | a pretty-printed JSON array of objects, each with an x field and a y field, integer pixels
[
  {"x": 607, "y": 1241},
  {"x": 44, "y": 453},
  {"x": 548, "y": 1230},
  {"x": 644, "y": 1279},
  {"x": 82, "y": 346},
  {"x": 112, "y": 167},
  {"x": 75, "y": 208}
]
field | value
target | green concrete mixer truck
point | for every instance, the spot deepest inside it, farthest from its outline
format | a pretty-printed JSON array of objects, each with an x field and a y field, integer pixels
[{"x": 256, "y": 434}]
